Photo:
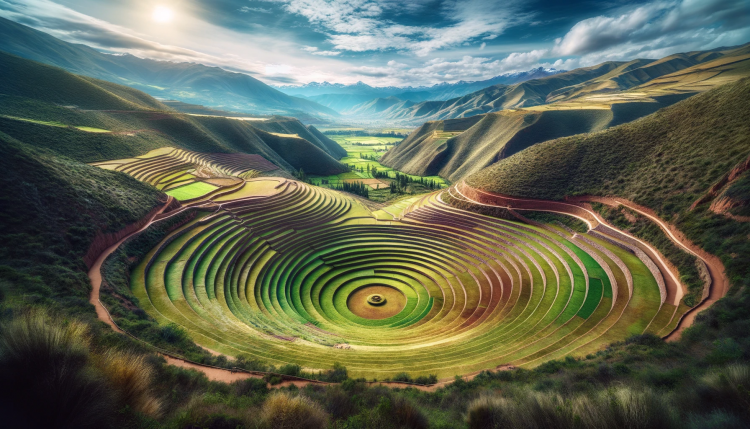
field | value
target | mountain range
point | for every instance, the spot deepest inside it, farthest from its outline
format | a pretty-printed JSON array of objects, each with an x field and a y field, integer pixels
[
  {"x": 188, "y": 82},
  {"x": 92, "y": 120},
  {"x": 459, "y": 137},
  {"x": 348, "y": 98},
  {"x": 593, "y": 85}
]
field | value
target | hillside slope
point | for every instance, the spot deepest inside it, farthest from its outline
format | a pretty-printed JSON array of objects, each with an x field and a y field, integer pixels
[
  {"x": 686, "y": 163},
  {"x": 455, "y": 148},
  {"x": 195, "y": 83},
  {"x": 626, "y": 91},
  {"x": 51, "y": 208},
  {"x": 684, "y": 73},
  {"x": 92, "y": 120},
  {"x": 665, "y": 161},
  {"x": 498, "y": 97}
]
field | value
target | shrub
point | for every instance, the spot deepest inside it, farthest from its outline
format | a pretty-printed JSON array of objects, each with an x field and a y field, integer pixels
[
  {"x": 620, "y": 408},
  {"x": 130, "y": 375},
  {"x": 408, "y": 415},
  {"x": 172, "y": 333},
  {"x": 729, "y": 388},
  {"x": 338, "y": 403},
  {"x": 336, "y": 375},
  {"x": 430, "y": 379},
  {"x": 291, "y": 369},
  {"x": 250, "y": 386},
  {"x": 485, "y": 412},
  {"x": 284, "y": 411},
  {"x": 402, "y": 377},
  {"x": 43, "y": 371}
]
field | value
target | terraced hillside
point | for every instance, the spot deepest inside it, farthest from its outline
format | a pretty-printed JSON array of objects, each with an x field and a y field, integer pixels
[
  {"x": 92, "y": 120},
  {"x": 677, "y": 165},
  {"x": 456, "y": 148},
  {"x": 188, "y": 175},
  {"x": 689, "y": 72},
  {"x": 286, "y": 272}
]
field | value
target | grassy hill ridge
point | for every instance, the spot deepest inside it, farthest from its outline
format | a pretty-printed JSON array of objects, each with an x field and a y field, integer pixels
[
  {"x": 195, "y": 83},
  {"x": 51, "y": 208},
  {"x": 455, "y": 148},
  {"x": 602, "y": 80},
  {"x": 52, "y": 108},
  {"x": 665, "y": 160}
]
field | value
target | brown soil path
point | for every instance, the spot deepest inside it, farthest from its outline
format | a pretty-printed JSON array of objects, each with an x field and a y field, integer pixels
[
  {"x": 719, "y": 280},
  {"x": 95, "y": 272}
]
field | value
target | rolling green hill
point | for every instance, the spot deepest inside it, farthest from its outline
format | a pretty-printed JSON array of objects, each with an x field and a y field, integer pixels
[
  {"x": 455, "y": 148},
  {"x": 51, "y": 208},
  {"x": 665, "y": 161},
  {"x": 92, "y": 120},
  {"x": 621, "y": 92},
  {"x": 195, "y": 83},
  {"x": 586, "y": 86}
]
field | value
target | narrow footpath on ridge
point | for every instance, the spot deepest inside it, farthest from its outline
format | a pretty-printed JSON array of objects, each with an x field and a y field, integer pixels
[
  {"x": 573, "y": 207},
  {"x": 719, "y": 280}
]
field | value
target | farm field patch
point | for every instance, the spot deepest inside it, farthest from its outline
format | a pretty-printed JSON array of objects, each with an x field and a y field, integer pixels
[
  {"x": 362, "y": 155},
  {"x": 193, "y": 190}
]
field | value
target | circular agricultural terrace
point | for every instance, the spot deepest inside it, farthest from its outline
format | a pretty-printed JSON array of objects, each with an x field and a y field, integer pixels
[{"x": 285, "y": 272}]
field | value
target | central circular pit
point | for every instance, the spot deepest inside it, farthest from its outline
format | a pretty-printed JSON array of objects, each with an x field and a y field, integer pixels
[{"x": 376, "y": 302}]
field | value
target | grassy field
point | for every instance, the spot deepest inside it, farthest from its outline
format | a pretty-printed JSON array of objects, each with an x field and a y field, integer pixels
[
  {"x": 193, "y": 190},
  {"x": 362, "y": 154}
]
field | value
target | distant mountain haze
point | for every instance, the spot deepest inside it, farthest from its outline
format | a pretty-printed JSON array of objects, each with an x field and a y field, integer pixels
[
  {"x": 189, "y": 82},
  {"x": 48, "y": 107},
  {"x": 348, "y": 98}
]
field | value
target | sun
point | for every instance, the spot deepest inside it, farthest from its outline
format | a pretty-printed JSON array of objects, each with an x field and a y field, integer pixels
[{"x": 162, "y": 14}]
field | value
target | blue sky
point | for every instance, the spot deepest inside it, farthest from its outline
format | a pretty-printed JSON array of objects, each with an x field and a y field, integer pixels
[{"x": 389, "y": 42}]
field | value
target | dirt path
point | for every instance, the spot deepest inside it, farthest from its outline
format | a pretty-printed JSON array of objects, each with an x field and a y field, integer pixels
[
  {"x": 95, "y": 272},
  {"x": 719, "y": 280}
]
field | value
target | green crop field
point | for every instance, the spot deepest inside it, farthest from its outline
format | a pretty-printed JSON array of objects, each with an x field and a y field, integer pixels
[
  {"x": 362, "y": 154},
  {"x": 287, "y": 273},
  {"x": 193, "y": 190}
]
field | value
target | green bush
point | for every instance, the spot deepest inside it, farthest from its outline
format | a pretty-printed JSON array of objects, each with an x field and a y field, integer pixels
[{"x": 285, "y": 411}]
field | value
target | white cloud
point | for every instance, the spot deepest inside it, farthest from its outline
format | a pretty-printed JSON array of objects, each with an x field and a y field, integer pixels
[
  {"x": 593, "y": 34},
  {"x": 482, "y": 46},
  {"x": 358, "y": 25},
  {"x": 247, "y": 9},
  {"x": 662, "y": 26}
]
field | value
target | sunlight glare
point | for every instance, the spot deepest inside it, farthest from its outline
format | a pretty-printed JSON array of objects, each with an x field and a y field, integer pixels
[{"x": 162, "y": 14}]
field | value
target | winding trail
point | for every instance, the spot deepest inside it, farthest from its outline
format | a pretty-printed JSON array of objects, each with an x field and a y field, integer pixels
[{"x": 719, "y": 281}]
